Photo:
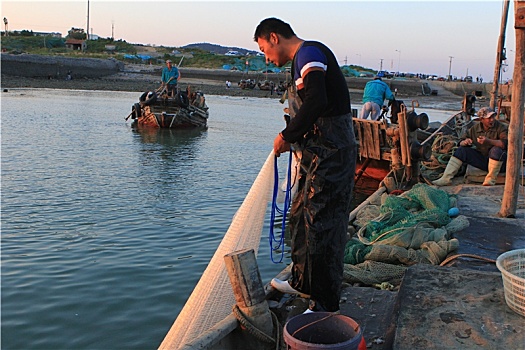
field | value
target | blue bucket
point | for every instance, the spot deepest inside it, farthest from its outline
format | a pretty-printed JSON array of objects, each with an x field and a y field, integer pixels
[{"x": 323, "y": 330}]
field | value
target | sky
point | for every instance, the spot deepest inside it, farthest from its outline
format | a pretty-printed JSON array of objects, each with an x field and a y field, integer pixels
[{"x": 430, "y": 37}]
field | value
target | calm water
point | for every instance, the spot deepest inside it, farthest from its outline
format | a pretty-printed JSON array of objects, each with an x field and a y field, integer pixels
[{"x": 105, "y": 231}]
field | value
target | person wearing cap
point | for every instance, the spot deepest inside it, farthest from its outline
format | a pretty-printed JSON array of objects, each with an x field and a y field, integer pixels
[
  {"x": 483, "y": 146},
  {"x": 376, "y": 91},
  {"x": 170, "y": 77}
]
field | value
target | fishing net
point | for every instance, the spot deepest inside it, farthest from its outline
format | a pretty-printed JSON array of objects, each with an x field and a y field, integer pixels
[
  {"x": 407, "y": 229},
  {"x": 443, "y": 148},
  {"x": 212, "y": 299},
  {"x": 444, "y": 143}
]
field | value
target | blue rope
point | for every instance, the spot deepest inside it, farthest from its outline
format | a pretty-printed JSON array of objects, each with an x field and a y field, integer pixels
[{"x": 284, "y": 211}]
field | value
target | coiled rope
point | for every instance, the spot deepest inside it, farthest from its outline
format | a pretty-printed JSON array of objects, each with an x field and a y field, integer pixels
[
  {"x": 275, "y": 209},
  {"x": 257, "y": 333}
]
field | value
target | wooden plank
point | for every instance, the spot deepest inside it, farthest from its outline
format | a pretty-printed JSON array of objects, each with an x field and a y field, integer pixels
[
  {"x": 375, "y": 133},
  {"x": 368, "y": 139},
  {"x": 359, "y": 126}
]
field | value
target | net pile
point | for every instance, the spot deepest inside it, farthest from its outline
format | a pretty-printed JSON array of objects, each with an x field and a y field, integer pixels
[
  {"x": 212, "y": 299},
  {"x": 407, "y": 229},
  {"x": 444, "y": 143},
  {"x": 443, "y": 148}
]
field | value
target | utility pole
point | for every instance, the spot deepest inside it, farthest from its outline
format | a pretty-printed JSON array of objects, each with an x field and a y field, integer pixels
[
  {"x": 499, "y": 54},
  {"x": 449, "y": 77},
  {"x": 381, "y": 64},
  {"x": 112, "y": 30},
  {"x": 398, "y": 62},
  {"x": 87, "y": 27}
]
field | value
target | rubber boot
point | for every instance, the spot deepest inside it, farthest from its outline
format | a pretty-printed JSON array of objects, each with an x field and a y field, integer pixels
[
  {"x": 450, "y": 171},
  {"x": 494, "y": 168}
]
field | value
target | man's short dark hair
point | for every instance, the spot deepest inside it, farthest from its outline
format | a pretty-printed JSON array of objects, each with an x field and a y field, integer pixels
[{"x": 273, "y": 25}]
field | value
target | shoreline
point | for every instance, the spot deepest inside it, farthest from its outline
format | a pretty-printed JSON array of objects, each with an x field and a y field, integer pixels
[{"x": 209, "y": 82}]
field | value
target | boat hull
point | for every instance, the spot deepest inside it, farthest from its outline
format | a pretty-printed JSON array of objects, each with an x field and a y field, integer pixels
[{"x": 181, "y": 119}]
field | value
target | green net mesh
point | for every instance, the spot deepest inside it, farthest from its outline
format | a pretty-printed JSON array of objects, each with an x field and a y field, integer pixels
[
  {"x": 422, "y": 203},
  {"x": 411, "y": 228}
]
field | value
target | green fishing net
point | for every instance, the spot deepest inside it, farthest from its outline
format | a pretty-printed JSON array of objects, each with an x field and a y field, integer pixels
[{"x": 410, "y": 228}]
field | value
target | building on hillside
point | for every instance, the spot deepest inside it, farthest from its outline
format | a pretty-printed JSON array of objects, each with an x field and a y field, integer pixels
[
  {"x": 76, "y": 44},
  {"x": 53, "y": 34},
  {"x": 29, "y": 33}
]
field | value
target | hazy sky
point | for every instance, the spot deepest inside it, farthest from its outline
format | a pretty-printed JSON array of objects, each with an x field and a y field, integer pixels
[{"x": 412, "y": 36}]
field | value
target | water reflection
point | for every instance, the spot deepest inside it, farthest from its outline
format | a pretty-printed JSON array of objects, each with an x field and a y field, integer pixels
[{"x": 169, "y": 137}]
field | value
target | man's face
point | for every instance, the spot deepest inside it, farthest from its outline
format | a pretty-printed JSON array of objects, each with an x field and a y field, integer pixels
[
  {"x": 488, "y": 122},
  {"x": 271, "y": 49},
  {"x": 168, "y": 64}
]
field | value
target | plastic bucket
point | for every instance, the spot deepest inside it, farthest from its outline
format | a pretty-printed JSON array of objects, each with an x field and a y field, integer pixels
[{"x": 323, "y": 330}]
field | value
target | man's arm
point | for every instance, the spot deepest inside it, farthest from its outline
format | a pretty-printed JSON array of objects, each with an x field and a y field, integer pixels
[
  {"x": 495, "y": 143},
  {"x": 388, "y": 94}
]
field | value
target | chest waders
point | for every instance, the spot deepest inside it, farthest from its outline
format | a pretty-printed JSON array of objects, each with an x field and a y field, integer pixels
[{"x": 320, "y": 209}]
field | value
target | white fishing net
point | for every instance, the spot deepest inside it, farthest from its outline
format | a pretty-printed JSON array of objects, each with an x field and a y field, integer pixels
[{"x": 212, "y": 299}]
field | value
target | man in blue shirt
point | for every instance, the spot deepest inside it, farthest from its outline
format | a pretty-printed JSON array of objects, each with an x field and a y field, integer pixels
[
  {"x": 322, "y": 134},
  {"x": 376, "y": 91},
  {"x": 170, "y": 77}
]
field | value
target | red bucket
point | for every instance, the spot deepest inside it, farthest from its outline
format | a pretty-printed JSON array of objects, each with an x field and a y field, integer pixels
[{"x": 323, "y": 330}]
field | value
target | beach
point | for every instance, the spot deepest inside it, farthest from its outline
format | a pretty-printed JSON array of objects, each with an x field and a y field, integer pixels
[{"x": 140, "y": 78}]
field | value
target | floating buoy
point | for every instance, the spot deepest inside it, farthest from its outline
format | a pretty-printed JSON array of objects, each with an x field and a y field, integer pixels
[{"x": 453, "y": 212}]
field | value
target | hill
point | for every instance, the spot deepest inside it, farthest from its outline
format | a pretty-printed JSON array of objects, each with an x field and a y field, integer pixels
[{"x": 218, "y": 49}]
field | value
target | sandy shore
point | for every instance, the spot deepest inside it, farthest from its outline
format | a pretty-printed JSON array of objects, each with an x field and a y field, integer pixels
[{"x": 209, "y": 83}]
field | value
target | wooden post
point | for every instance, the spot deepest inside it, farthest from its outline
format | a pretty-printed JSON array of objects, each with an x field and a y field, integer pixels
[
  {"x": 499, "y": 54},
  {"x": 515, "y": 151},
  {"x": 248, "y": 289}
]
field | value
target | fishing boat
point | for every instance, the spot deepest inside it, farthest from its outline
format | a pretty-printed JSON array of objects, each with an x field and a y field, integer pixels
[
  {"x": 388, "y": 311},
  {"x": 397, "y": 146},
  {"x": 266, "y": 85},
  {"x": 400, "y": 148},
  {"x": 247, "y": 84},
  {"x": 439, "y": 307},
  {"x": 157, "y": 109}
]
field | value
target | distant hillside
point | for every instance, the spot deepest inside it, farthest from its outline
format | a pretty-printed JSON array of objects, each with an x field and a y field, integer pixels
[{"x": 218, "y": 49}]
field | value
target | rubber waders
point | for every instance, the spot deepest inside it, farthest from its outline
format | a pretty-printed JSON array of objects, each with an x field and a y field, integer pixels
[
  {"x": 494, "y": 168},
  {"x": 450, "y": 171}
]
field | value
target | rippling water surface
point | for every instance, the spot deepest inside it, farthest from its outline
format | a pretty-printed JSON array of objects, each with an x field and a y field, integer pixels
[{"x": 105, "y": 230}]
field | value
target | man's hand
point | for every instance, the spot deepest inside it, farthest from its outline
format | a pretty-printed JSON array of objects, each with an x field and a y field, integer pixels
[
  {"x": 466, "y": 143},
  {"x": 280, "y": 145},
  {"x": 482, "y": 140}
]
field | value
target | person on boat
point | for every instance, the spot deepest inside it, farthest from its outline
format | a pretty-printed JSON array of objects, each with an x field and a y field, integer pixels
[
  {"x": 483, "y": 146},
  {"x": 376, "y": 92},
  {"x": 170, "y": 78},
  {"x": 321, "y": 134}
]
